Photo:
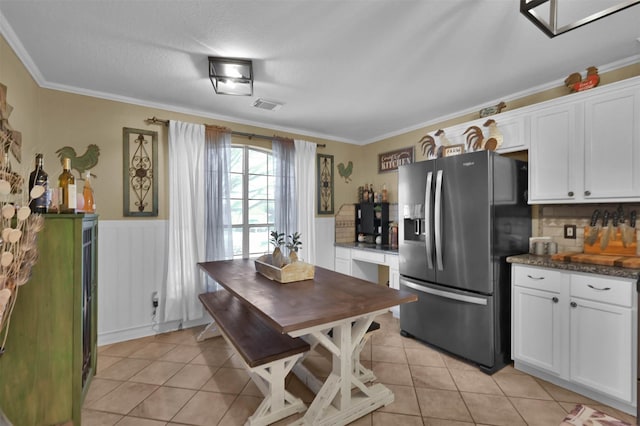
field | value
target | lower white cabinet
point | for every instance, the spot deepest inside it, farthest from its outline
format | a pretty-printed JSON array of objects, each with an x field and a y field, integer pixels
[
  {"x": 363, "y": 264},
  {"x": 536, "y": 323},
  {"x": 577, "y": 330},
  {"x": 343, "y": 260}
]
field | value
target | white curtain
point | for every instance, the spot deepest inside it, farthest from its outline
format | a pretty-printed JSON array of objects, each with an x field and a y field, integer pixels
[
  {"x": 186, "y": 241},
  {"x": 219, "y": 237},
  {"x": 218, "y": 231},
  {"x": 305, "y": 171},
  {"x": 286, "y": 205}
]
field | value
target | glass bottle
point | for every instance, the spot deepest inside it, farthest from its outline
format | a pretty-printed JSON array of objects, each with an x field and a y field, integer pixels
[
  {"x": 38, "y": 177},
  {"x": 67, "y": 188},
  {"x": 384, "y": 192},
  {"x": 87, "y": 193}
]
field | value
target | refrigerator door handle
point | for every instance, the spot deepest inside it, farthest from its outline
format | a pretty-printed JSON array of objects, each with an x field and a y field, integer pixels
[
  {"x": 445, "y": 294},
  {"x": 438, "y": 221},
  {"x": 427, "y": 220}
]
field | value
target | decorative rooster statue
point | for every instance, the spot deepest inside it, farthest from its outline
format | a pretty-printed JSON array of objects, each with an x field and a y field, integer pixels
[
  {"x": 86, "y": 161},
  {"x": 428, "y": 144},
  {"x": 476, "y": 140},
  {"x": 495, "y": 137},
  {"x": 577, "y": 84},
  {"x": 345, "y": 172}
]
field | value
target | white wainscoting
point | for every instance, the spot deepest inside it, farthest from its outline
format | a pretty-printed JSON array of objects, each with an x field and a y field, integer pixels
[
  {"x": 131, "y": 266},
  {"x": 325, "y": 239}
]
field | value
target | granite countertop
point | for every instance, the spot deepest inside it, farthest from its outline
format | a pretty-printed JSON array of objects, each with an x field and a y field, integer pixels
[
  {"x": 384, "y": 248},
  {"x": 546, "y": 262}
]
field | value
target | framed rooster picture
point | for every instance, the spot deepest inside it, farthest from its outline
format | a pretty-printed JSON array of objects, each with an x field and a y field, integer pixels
[{"x": 140, "y": 172}]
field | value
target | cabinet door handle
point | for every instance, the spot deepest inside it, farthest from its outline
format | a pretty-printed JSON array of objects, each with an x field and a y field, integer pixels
[
  {"x": 587, "y": 193},
  {"x": 555, "y": 300},
  {"x": 535, "y": 278},
  {"x": 570, "y": 194},
  {"x": 599, "y": 289},
  {"x": 573, "y": 304}
]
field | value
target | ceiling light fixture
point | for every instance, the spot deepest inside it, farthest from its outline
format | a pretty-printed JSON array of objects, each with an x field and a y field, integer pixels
[
  {"x": 555, "y": 17},
  {"x": 231, "y": 76}
]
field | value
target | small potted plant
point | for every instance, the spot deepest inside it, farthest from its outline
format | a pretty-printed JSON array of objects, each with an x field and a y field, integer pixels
[
  {"x": 277, "y": 240},
  {"x": 378, "y": 211},
  {"x": 294, "y": 245}
]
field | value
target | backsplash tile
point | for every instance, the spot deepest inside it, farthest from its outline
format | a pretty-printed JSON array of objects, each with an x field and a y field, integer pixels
[{"x": 549, "y": 221}]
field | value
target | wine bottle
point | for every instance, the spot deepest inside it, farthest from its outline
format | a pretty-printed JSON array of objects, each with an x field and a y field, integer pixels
[
  {"x": 87, "y": 193},
  {"x": 39, "y": 177},
  {"x": 67, "y": 188}
]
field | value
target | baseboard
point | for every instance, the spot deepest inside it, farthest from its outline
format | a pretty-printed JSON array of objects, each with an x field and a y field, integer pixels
[
  {"x": 596, "y": 396},
  {"x": 145, "y": 330}
]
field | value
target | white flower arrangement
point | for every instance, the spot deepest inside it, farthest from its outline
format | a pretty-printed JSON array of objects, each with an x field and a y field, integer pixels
[{"x": 18, "y": 248}]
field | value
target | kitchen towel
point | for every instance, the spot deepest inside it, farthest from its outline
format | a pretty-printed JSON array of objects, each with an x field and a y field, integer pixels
[{"x": 586, "y": 416}]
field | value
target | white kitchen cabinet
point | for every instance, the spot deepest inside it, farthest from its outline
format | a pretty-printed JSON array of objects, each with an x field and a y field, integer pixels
[
  {"x": 577, "y": 330},
  {"x": 394, "y": 280},
  {"x": 537, "y": 327},
  {"x": 513, "y": 127},
  {"x": 343, "y": 260},
  {"x": 553, "y": 172},
  {"x": 600, "y": 347},
  {"x": 612, "y": 146},
  {"x": 601, "y": 312},
  {"x": 587, "y": 148}
]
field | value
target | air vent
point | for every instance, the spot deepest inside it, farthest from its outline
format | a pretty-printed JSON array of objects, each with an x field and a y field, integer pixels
[{"x": 268, "y": 105}]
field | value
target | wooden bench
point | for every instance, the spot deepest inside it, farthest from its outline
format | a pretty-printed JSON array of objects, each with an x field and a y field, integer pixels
[{"x": 268, "y": 355}]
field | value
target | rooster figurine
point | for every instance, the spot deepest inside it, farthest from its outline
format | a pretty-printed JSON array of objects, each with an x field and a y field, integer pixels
[
  {"x": 428, "y": 144},
  {"x": 495, "y": 137},
  {"x": 477, "y": 141},
  {"x": 576, "y": 84},
  {"x": 86, "y": 161}
]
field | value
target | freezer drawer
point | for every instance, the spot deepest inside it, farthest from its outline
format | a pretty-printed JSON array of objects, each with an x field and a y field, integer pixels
[{"x": 459, "y": 322}]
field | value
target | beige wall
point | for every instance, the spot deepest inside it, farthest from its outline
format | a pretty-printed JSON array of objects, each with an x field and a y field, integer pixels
[{"x": 50, "y": 119}]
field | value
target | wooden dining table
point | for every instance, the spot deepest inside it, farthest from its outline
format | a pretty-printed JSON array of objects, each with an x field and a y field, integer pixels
[{"x": 332, "y": 310}]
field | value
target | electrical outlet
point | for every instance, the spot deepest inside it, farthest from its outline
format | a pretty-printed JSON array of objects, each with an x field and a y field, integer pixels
[{"x": 570, "y": 232}]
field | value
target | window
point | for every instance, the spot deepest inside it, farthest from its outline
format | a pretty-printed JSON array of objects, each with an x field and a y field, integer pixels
[{"x": 252, "y": 188}]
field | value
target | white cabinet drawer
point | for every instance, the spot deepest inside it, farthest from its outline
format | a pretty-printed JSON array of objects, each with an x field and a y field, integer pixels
[
  {"x": 602, "y": 289},
  {"x": 392, "y": 261},
  {"x": 368, "y": 256},
  {"x": 539, "y": 278},
  {"x": 343, "y": 253}
]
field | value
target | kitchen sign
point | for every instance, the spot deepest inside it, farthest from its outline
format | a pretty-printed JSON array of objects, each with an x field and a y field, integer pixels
[{"x": 390, "y": 161}]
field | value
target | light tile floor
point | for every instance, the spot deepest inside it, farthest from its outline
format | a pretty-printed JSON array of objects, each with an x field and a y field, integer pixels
[{"x": 170, "y": 379}]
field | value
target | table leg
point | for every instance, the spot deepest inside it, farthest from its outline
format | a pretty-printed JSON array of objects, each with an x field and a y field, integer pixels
[
  {"x": 209, "y": 331},
  {"x": 335, "y": 403}
]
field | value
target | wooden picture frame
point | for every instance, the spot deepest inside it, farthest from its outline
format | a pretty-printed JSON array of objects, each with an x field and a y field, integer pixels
[
  {"x": 324, "y": 181},
  {"x": 451, "y": 150},
  {"x": 390, "y": 161},
  {"x": 140, "y": 174}
]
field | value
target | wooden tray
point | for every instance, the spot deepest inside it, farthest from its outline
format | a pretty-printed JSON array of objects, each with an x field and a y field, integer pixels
[
  {"x": 296, "y": 271},
  {"x": 632, "y": 262},
  {"x": 614, "y": 246}
]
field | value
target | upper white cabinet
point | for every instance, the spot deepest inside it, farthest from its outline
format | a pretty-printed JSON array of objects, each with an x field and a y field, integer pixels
[
  {"x": 612, "y": 146},
  {"x": 513, "y": 126},
  {"x": 587, "y": 148},
  {"x": 554, "y": 171}
]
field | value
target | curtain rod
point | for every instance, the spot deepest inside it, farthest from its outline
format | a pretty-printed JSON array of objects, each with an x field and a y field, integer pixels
[{"x": 154, "y": 120}]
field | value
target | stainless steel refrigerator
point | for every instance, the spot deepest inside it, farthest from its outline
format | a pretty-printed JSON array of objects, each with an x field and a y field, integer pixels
[{"x": 461, "y": 216}]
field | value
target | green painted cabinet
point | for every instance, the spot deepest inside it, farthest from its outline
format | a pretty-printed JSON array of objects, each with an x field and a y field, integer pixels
[{"x": 51, "y": 350}]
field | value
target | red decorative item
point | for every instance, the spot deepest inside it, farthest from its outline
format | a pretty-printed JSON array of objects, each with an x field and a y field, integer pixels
[{"x": 577, "y": 84}]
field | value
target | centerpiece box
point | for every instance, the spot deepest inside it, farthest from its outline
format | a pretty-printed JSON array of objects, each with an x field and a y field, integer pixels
[{"x": 291, "y": 272}]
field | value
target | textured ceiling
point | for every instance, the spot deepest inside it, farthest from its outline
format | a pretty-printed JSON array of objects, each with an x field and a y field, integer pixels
[{"x": 353, "y": 71}]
